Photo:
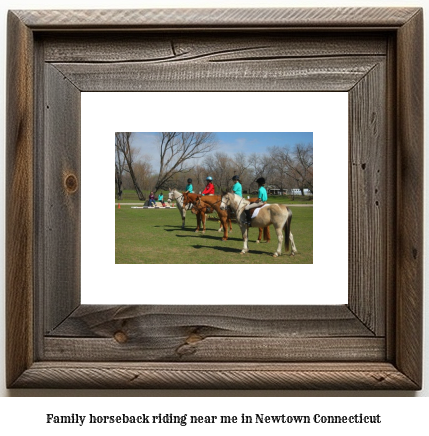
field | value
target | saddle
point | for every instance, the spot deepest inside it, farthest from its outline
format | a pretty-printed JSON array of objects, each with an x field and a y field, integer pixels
[{"x": 251, "y": 212}]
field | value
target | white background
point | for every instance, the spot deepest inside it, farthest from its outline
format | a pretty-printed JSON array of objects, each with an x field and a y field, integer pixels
[
  {"x": 17, "y": 414},
  {"x": 324, "y": 114}
]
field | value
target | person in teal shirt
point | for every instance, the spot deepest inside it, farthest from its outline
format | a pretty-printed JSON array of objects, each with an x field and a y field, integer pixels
[
  {"x": 189, "y": 186},
  {"x": 262, "y": 199},
  {"x": 161, "y": 198},
  {"x": 237, "y": 189}
]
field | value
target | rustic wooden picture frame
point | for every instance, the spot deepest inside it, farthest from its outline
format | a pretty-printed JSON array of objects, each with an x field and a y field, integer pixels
[{"x": 373, "y": 342}]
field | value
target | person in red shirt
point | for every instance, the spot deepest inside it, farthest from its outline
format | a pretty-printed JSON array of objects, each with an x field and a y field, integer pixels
[{"x": 209, "y": 189}]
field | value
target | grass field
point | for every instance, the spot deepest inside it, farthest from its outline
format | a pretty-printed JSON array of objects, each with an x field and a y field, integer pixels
[{"x": 155, "y": 236}]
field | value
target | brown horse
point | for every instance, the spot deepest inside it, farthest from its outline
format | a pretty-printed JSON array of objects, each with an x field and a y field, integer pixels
[
  {"x": 212, "y": 202},
  {"x": 201, "y": 208}
]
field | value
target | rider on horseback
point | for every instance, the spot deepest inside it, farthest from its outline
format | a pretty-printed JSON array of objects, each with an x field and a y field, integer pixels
[
  {"x": 209, "y": 189},
  {"x": 189, "y": 187},
  {"x": 262, "y": 199},
  {"x": 237, "y": 189}
]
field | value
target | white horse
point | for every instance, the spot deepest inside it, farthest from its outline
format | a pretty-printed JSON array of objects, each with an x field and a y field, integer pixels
[
  {"x": 279, "y": 215},
  {"x": 174, "y": 194}
]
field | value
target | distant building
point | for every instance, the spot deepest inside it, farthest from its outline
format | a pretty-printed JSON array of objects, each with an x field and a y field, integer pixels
[{"x": 297, "y": 191}]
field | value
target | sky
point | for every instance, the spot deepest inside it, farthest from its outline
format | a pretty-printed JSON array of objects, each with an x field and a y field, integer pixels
[{"x": 229, "y": 142}]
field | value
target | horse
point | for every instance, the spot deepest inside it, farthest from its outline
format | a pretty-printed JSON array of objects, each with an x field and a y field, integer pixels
[
  {"x": 174, "y": 194},
  {"x": 279, "y": 215},
  {"x": 213, "y": 201},
  {"x": 201, "y": 208}
]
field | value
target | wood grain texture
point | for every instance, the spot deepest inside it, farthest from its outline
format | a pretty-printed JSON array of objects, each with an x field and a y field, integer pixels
[
  {"x": 178, "y": 47},
  {"x": 192, "y": 348},
  {"x": 330, "y": 74},
  {"x": 409, "y": 264},
  {"x": 19, "y": 200},
  {"x": 213, "y": 333},
  {"x": 374, "y": 343},
  {"x": 218, "y": 18},
  {"x": 61, "y": 208},
  {"x": 109, "y": 375},
  {"x": 368, "y": 202}
]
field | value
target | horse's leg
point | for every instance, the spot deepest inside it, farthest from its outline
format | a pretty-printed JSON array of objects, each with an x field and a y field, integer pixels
[
  {"x": 244, "y": 232},
  {"x": 224, "y": 221},
  {"x": 230, "y": 225},
  {"x": 259, "y": 236},
  {"x": 293, "y": 249},
  {"x": 203, "y": 219},
  {"x": 183, "y": 217},
  {"x": 198, "y": 215},
  {"x": 279, "y": 231},
  {"x": 267, "y": 235}
]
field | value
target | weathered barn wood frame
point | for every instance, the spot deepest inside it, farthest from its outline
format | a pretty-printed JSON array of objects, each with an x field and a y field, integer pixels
[{"x": 373, "y": 342}]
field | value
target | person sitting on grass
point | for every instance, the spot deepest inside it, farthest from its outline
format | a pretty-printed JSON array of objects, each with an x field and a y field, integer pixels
[
  {"x": 151, "y": 200},
  {"x": 161, "y": 199}
]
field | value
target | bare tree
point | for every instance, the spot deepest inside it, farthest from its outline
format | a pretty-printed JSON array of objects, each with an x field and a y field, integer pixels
[
  {"x": 293, "y": 167},
  {"x": 119, "y": 172},
  {"x": 123, "y": 148},
  {"x": 144, "y": 173},
  {"x": 282, "y": 161},
  {"x": 304, "y": 165},
  {"x": 177, "y": 149},
  {"x": 219, "y": 166}
]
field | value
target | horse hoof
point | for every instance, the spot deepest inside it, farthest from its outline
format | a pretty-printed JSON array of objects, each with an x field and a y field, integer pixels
[
  {"x": 275, "y": 255},
  {"x": 224, "y": 239},
  {"x": 257, "y": 241}
]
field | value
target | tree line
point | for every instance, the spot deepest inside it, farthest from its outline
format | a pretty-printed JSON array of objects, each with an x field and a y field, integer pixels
[{"x": 184, "y": 155}]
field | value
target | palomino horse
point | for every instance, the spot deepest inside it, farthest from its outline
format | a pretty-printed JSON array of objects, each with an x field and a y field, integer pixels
[
  {"x": 279, "y": 215},
  {"x": 174, "y": 194}
]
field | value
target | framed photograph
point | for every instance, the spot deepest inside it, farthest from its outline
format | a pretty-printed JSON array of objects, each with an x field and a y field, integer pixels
[{"x": 373, "y": 341}]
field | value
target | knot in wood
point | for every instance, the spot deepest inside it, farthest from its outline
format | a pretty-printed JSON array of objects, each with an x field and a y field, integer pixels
[
  {"x": 120, "y": 337},
  {"x": 71, "y": 183}
]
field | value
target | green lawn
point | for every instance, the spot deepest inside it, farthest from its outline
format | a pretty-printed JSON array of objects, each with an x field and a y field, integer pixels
[{"x": 155, "y": 236}]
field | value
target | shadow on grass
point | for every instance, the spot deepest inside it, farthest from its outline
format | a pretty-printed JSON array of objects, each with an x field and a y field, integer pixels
[
  {"x": 177, "y": 228},
  {"x": 214, "y": 237},
  {"x": 231, "y": 250}
]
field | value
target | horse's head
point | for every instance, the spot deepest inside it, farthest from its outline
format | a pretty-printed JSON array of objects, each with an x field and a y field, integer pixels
[
  {"x": 171, "y": 194},
  {"x": 225, "y": 200},
  {"x": 186, "y": 200},
  {"x": 190, "y": 198}
]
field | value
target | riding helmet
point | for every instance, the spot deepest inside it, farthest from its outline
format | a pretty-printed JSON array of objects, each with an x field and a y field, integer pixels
[
  {"x": 236, "y": 177},
  {"x": 209, "y": 178},
  {"x": 260, "y": 181},
  {"x": 189, "y": 180}
]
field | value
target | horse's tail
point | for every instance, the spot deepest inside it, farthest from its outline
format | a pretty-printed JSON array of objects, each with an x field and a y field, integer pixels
[{"x": 287, "y": 229}]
